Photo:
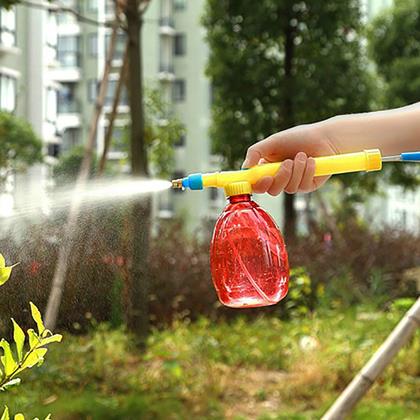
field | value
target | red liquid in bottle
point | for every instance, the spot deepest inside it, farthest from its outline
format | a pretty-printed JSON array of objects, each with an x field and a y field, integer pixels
[{"x": 248, "y": 257}]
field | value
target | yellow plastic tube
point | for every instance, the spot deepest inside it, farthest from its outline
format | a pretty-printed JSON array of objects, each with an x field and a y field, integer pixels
[{"x": 368, "y": 160}]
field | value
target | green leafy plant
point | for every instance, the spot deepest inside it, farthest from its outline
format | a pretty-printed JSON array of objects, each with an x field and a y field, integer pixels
[
  {"x": 20, "y": 146},
  {"x": 15, "y": 358}
]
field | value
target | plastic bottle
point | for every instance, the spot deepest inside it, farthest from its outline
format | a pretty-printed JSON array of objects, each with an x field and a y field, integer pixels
[{"x": 248, "y": 256}]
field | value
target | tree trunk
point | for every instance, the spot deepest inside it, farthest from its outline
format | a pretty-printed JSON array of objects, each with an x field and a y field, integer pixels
[
  {"x": 289, "y": 227},
  {"x": 70, "y": 228},
  {"x": 113, "y": 115},
  {"x": 138, "y": 290}
]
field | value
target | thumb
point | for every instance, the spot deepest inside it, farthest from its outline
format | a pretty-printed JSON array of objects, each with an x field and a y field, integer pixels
[
  {"x": 264, "y": 149},
  {"x": 277, "y": 147},
  {"x": 253, "y": 156}
]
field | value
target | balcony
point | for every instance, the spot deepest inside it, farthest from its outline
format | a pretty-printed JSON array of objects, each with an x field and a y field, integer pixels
[
  {"x": 68, "y": 106},
  {"x": 167, "y": 26},
  {"x": 166, "y": 72},
  {"x": 68, "y": 69},
  {"x": 68, "y": 114}
]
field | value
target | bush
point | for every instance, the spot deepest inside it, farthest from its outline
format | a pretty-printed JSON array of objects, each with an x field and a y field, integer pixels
[{"x": 357, "y": 266}]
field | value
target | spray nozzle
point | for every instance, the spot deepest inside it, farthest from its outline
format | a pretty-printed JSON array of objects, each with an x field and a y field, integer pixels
[{"x": 177, "y": 184}]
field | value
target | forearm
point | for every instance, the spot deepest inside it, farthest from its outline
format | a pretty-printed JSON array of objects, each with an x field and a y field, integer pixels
[{"x": 393, "y": 131}]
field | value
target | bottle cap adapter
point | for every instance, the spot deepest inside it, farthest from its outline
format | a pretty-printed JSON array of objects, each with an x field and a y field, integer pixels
[{"x": 238, "y": 188}]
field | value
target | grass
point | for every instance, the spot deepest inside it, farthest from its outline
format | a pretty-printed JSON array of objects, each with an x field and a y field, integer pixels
[{"x": 264, "y": 369}]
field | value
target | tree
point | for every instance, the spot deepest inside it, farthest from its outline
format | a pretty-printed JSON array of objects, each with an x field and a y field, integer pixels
[
  {"x": 394, "y": 46},
  {"x": 20, "y": 146},
  {"x": 278, "y": 63},
  {"x": 138, "y": 292}
]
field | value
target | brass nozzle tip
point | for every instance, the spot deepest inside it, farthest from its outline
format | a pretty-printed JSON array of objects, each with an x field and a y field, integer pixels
[{"x": 177, "y": 184}]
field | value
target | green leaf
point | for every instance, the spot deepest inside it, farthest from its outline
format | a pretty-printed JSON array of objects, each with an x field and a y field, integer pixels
[
  {"x": 5, "y": 273},
  {"x": 35, "y": 357},
  {"x": 11, "y": 384},
  {"x": 7, "y": 359},
  {"x": 34, "y": 340},
  {"x": 36, "y": 315},
  {"x": 19, "y": 337},
  {"x": 5, "y": 415},
  {"x": 56, "y": 338}
]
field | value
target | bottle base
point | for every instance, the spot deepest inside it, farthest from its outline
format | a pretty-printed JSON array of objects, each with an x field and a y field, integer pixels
[{"x": 248, "y": 302}]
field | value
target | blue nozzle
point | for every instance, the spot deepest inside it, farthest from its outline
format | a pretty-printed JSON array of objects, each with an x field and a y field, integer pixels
[
  {"x": 410, "y": 157},
  {"x": 193, "y": 182}
]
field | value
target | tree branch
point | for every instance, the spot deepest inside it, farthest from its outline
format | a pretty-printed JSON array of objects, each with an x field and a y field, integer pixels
[{"x": 54, "y": 8}]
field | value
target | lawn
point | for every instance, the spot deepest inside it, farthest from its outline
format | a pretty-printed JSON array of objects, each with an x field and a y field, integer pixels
[{"x": 260, "y": 369}]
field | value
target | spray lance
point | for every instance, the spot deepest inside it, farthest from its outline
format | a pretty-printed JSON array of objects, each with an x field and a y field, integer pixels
[{"x": 248, "y": 257}]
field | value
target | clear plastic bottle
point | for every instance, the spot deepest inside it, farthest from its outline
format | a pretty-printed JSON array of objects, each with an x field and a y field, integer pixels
[{"x": 248, "y": 256}]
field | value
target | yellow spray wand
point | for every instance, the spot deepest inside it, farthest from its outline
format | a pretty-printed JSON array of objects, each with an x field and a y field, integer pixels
[{"x": 368, "y": 160}]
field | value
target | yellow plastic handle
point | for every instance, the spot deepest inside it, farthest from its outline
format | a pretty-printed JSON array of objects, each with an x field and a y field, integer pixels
[{"x": 368, "y": 160}]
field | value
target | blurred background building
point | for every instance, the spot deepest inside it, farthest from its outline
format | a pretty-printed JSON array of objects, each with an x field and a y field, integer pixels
[{"x": 49, "y": 75}]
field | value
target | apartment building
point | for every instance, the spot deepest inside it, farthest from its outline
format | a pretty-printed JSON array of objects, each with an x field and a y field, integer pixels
[{"x": 28, "y": 89}]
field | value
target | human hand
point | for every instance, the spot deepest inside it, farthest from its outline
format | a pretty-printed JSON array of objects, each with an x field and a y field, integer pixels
[{"x": 296, "y": 148}]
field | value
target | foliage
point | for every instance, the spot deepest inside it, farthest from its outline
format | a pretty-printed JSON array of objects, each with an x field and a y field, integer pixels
[
  {"x": 5, "y": 272},
  {"x": 14, "y": 362},
  {"x": 20, "y": 146},
  {"x": 162, "y": 130},
  {"x": 394, "y": 45},
  {"x": 254, "y": 94},
  {"x": 359, "y": 264},
  {"x": 68, "y": 165},
  {"x": 210, "y": 370}
]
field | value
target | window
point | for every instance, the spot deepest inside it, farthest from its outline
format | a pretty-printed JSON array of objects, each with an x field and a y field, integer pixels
[
  {"x": 92, "y": 90},
  {"x": 109, "y": 7},
  {"x": 51, "y": 105},
  {"x": 67, "y": 17},
  {"x": 68, "y": 51},
  {"x": 92, "y": 5},
  {"x": 67, "y": 99},
  {"x": 180, "y": 44},
  {"x": 93, "y": 44},
  {"x": 53, "y": 150},
  {"x": 8, "y": 27},
  {"x": 180, "y": 4},
  {"x": 119, "y": 45},
  {"x": 119, "y": 139},
  {"x": 180, "y": 141},
  {"x": 112, "y": 86},
  {"x": 71, "y": 138},
  {"x": 178, "y": 92},
  {"x": 7, "y": 93}
]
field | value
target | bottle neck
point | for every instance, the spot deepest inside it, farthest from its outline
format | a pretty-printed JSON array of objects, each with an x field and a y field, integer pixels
[{"x": 239, "y": 198}]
